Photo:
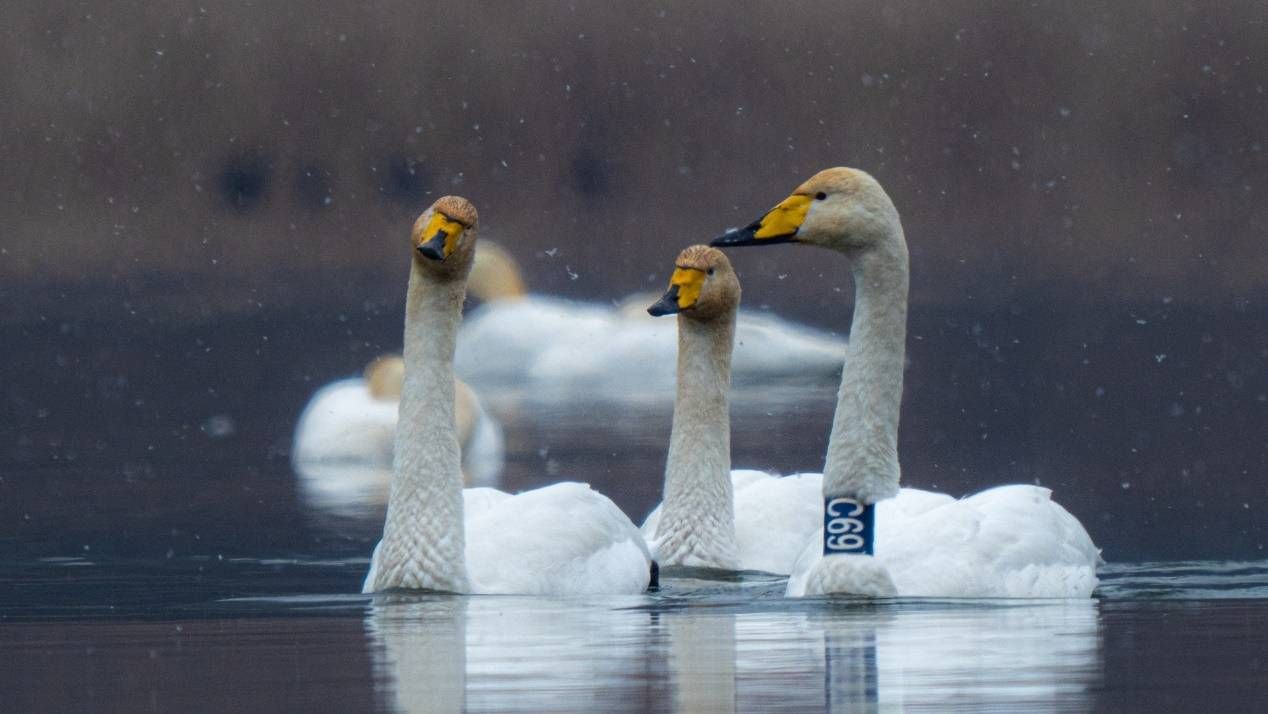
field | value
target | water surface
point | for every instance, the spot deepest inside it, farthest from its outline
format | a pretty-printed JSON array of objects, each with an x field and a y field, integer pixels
[
  {"x": 175, "y": 560},
  {"x": 200, "y": 633}
]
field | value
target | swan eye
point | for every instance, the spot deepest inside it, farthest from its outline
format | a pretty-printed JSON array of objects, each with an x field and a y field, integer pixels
[
  {"x": 820, "y": 196},
  {"x": 710, "y": 271}
]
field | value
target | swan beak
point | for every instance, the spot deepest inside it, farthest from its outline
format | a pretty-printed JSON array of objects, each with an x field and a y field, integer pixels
[
  {"x": 684, "y": 290},
  {"x": 440, "y": 237},
  {"x": 667, "y": 305},
  {"x": 779, "y": 225},
  {"x": 434, "y": 249}
]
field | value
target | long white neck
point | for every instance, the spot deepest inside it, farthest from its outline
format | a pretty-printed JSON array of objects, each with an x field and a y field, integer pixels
[
  {"x": 423, "y": 544},
  {"x": 863, "y": 450},
  {"x": 697, "y": 526}
]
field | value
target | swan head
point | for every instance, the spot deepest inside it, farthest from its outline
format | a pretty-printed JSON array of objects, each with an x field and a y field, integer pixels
[
  {"x": 444, "y": 236},
  {"x": 495, "y": 274},
  {"x": 384, "y": 377},
  {"x": 702, "y": 287},
  {"x": 839, "y": 208}
]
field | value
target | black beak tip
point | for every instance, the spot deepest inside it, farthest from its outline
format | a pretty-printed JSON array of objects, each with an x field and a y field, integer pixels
[
  {"x": 667, "y": 305},
  {"x": 747, "y": 236},
  {"x": 722, "y": 240},
  {"x": 434, "y": 248},
  {"x": 736, "y": 236}
]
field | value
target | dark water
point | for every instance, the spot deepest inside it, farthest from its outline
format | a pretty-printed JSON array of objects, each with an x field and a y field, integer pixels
[
  {"x": 161, "y": 612},
  {"x": 207, "y": 633},
  {"x": 158, "y": 552}
]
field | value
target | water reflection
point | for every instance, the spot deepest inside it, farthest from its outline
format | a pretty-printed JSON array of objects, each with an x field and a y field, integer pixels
[
  {"x": 436, "y": 653},
  {"x": 420, "y": 657},
  {"x": 444, "y": 653},
  {"x": 333, "y": 493},
  {"x": 702, "y": 662}
]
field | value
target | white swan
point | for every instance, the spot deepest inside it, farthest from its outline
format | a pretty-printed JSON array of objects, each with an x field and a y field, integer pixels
[
  {"x": 714, "y": 517},
  {"x": 561, "y": 539},
  {"x": 353, "y": 422},
  {"x": 514, "y": 338},
  {"x": 1012, "y": 541}
]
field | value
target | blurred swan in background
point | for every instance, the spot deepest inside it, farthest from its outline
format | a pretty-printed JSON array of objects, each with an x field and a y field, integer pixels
[
  {"x": 519, "y": 339},
  {"x": 1011, "y": 541},
  {"x": 352, "y": 422},
  {"x": 560, "y": 539}
]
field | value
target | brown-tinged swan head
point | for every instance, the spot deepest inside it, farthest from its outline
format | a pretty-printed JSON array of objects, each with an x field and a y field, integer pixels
[
  {"x": 444, "y": 238},
  {"x": 384, "y": 377},
  {"x": 703, "y": 286},
  {"x": 840, "y": 208},
  {"x": 495, "y": 274}
]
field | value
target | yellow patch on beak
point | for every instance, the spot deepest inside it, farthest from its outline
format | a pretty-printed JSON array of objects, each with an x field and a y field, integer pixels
[
  {"x": 785, "y": 218},
  {"x": 689, "y": 282},
  {"x": 440, "y": 223}
]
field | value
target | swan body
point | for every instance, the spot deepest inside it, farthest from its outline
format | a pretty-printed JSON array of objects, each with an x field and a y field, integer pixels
[
  {"x": 353, "y": 422},
  {"x": 1009, "y": 541},
  {"x": 767, "y": 348},
  {"x": 1012, "y": 541},
  {"x": 555, "y": 530},
  {"x": 517, "y": 338},
  {"x": 343, "y": 422},
  {"x": 563, "y": 539}
]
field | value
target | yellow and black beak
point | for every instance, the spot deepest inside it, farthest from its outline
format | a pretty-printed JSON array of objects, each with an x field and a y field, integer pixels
[
  {"x": 440, "y": 237},
  {"x": 684, "y": 290},
  {"x": 779, "y": 225}
]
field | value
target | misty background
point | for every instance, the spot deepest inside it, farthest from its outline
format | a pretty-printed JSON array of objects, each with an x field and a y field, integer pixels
[{"x": 204, "y": 213}]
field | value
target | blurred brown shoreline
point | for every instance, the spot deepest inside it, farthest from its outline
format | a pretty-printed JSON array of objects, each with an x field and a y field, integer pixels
[{"x": 257, "y": 152}]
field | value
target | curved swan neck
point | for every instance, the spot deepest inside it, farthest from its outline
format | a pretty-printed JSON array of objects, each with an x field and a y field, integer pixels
[
  {"x": 697, "y": 525},
  {"x": 863, "y": 450},
  {"x": 423, "y": 544}
]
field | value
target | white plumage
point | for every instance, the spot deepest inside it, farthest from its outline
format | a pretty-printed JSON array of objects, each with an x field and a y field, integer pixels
[
  {"x": 562, "y": 538},
  {"x": 343, "y": 422}
]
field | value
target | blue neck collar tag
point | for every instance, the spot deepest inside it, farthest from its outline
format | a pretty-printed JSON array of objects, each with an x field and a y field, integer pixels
[{"x": 849, "y": 526}]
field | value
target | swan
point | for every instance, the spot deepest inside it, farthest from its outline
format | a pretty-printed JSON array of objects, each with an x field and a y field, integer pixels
[
  {"x": 353, "y": 422},
  {"x": 562, "y": 539},
  {"x": 514, "y": 338},
  {"x": 1011, "y": 541},
  {"x": 713, "y": 517}
]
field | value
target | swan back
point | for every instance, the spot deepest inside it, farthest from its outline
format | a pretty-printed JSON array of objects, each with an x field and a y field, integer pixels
[
  {"x": 343, "y": 423},
  {"x": 562, "y": 539}
]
